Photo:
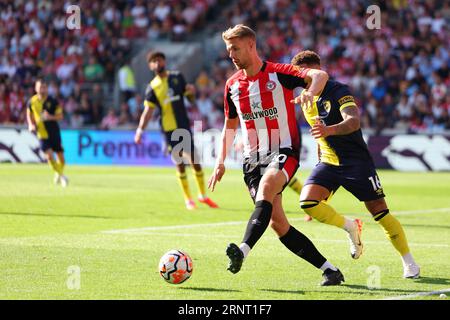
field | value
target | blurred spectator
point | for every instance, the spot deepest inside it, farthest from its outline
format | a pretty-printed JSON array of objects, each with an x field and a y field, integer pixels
[
  {"x": 93, "y": 71},
  {"x": 127, "y": 82},
  {"x": 124, "y": 115},
  {"x": 110, "y": 120}
]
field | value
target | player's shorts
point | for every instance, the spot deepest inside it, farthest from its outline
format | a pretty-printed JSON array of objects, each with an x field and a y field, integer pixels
[
  {"x": 360, "y": 179},
  {"x": 286, "y": 160},
  {"x": 52, "y": 142},
  {"x": 180, "y": 140}
]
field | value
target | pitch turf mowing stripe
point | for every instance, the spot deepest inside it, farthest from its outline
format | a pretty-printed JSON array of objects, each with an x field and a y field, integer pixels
[
  {"x": 229, "y": 236},
  {"x": 66, "y": 240},
  {"x": 418, "y": 294},
  {"x": 219, "y": 224}
]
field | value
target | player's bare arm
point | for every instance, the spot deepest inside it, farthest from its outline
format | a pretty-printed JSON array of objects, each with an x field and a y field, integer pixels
[
  {"x": 228, "y": 133},
  {"x": 31, "y": 121},
  {"x": 143, "y": 121},
  {"x": 350, "y": 124},
  {"x": 316, "y": 81}
]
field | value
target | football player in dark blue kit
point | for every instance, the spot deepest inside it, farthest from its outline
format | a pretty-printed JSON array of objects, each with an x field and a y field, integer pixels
[{"x": 344, "y": 160}]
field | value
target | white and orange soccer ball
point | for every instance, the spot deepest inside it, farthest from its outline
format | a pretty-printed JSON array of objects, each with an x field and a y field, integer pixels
[{"x": 175, "y": 266}]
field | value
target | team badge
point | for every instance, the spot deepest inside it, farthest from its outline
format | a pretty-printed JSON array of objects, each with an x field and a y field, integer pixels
[
  {"x": 327, "y": 106},
  {"x": 270, "y": 85}
]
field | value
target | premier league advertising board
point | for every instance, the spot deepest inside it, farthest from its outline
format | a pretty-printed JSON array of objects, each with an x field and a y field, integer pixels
[{"x": 94, "y": 147}]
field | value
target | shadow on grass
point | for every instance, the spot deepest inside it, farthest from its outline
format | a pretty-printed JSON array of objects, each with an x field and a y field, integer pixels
[
  {"x": 377, "y": 290},
  {"x": 425, "y": 226},
  {"x": 432, "y": 280},
  {"x": 283, "y": 291},
  {"x": 26, "y": 214},
  {"x": 208, "y": 289}
]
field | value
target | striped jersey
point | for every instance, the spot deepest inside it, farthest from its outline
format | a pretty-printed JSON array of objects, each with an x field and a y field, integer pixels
[{"x": 262, "y": 103}]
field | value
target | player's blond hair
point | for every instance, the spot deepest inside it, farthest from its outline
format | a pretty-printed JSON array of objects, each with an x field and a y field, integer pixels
[{"x": 238, "y": 31}]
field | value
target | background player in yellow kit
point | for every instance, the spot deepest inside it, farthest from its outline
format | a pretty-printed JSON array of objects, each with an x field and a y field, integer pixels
[
  {"x": 43, "y": 114},
  {"x": 166, "y": 92}
]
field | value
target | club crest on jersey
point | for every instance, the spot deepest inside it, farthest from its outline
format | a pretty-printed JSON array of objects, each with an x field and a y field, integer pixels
[
  {"x": 327, "y": 106},
  {"x": 271, "y": 85}
]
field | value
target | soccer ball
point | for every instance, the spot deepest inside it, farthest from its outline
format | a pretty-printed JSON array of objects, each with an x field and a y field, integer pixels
[{"x": 175, "y": 266}]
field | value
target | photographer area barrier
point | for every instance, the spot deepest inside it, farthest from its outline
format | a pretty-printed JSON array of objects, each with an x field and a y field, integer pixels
[{"x": 401, "y": 152}]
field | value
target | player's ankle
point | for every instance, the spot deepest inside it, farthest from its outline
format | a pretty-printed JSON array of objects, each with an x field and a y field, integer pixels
[{"x": 245, "y": 248}]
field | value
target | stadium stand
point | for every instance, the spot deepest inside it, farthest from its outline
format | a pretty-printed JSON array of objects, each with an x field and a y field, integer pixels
[{"x": 399, "y": 73}]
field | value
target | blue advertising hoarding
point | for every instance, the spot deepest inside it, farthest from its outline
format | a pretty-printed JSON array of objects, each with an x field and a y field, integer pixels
[{"x": 113, "y": 147}]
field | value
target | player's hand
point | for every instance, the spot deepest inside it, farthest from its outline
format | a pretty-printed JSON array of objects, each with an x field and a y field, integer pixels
[
  {"x": 32, "y": 128},
  {"x": 46, "y": 116},
  {"x": 138, "y": 136},
  {"x": 305, "y": 99},
  {"x": 190, "y": 89},
  {"x": 320, "y": 130},
  {"x": 219, "y": 171}
]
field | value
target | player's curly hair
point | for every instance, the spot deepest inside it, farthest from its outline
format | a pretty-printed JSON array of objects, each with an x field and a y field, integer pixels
[
  {"x": 152, "y": 55},
  {"x": 307, "y": 57},
  {"x": 238, "y": 31}
]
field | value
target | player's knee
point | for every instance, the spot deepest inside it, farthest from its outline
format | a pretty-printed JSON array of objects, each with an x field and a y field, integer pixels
[{"x": 266, "y": 191}]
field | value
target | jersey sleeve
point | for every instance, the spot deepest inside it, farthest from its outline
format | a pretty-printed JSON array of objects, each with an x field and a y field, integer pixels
[
  {"x": 229, "y": 107},
  {"x": 29, "y": 105},
  {"x": 291, "y": 76},
  {"x": 189, "y": 95},
  {"x": 55, "y": 107},
  {"x": 344, "y": 98},
  {"x": 150, "y": 97}
]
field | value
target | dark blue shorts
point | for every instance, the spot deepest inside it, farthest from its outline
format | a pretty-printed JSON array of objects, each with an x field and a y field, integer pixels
[
  {"x": 360, "y": 179},
  {"x": 183, "y": 137},
  {"x": 52, "y": 142}
]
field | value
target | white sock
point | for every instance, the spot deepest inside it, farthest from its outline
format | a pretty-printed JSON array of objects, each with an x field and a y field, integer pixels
[
  {"x": 408, "y": 259},
  {"x": 349, "y": 224},
  {"x": 245, "y": 248},
  {"x": 328, "y": 265}
]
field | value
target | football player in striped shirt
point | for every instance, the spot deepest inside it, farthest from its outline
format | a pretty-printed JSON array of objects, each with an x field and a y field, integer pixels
[
  {"x": 345, "y": 160},
  {"x": 260, "y": 97}
]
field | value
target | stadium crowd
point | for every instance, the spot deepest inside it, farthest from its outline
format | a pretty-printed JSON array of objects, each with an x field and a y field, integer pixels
[
  {"x": 399, "y": 73},
  {"x": 35, "y": 41}
]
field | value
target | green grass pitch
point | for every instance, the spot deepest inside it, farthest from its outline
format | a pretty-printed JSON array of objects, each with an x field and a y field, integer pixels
[{"x": 112, "y": 224}]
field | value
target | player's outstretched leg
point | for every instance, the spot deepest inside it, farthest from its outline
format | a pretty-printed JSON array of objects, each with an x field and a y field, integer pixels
[{"x": 301, "y": 245}]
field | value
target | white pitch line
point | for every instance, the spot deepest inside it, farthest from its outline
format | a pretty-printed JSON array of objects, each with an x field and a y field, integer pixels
[
  {"x": 228, "y": 236},
  {"x": 418, "y": 294},
  {"x": 422, "y": 211},
  {"x": 231, "y": 223},
  {"x": 182, "y": 226}
]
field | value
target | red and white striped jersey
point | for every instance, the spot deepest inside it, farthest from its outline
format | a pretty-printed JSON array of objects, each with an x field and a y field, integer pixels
[{"x": 263, "y": 105}]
